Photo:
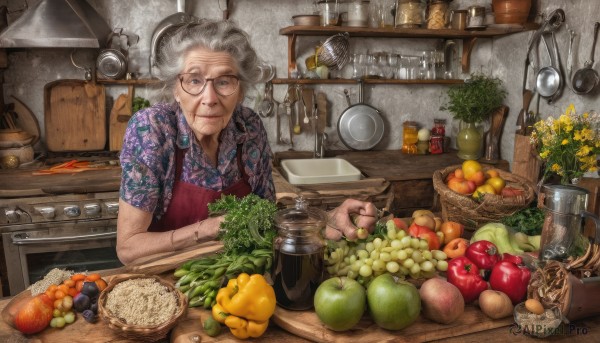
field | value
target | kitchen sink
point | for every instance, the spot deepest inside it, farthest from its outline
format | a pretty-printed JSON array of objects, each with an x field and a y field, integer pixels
[{"x": 319, "y": 170}]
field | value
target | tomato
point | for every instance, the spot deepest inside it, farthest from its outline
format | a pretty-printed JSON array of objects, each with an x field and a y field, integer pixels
[
  {"x": 456, "y": 248},
  {"x": 451, "y": 230},
  {"x": 35, "y": 315}
]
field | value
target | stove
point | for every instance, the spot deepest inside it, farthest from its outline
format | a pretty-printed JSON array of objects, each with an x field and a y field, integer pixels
[{"x": 63, "y": 221}]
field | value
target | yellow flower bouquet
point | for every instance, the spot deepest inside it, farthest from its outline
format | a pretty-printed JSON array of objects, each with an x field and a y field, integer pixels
[{"x": 569, "y": 145}]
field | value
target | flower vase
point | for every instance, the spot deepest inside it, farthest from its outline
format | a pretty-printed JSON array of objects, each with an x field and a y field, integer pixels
[{"x": 469, "y": 141}]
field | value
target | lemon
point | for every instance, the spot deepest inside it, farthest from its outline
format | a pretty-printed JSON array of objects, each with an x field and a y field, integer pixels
[{"x": 497, "y": 182}]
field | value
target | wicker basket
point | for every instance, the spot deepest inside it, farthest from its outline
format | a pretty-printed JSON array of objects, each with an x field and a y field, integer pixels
[
  {"x": 473, "y": 214},
  {"x": 136, "y": 332}
]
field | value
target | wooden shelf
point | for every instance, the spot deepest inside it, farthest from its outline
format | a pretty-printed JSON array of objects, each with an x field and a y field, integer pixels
[
  {"x": 469, "y": 37},
  {"x": 135, "y": 82},
  {"x": 366, "y": 81}
]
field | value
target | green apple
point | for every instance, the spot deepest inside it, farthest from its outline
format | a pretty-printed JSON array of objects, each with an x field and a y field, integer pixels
[
  {"x": 393, "y": 304},
  {"x": 340, "y": 303}
]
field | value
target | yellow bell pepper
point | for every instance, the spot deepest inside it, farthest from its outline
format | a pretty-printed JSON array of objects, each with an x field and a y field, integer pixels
[{"x": 245, "y": 305}]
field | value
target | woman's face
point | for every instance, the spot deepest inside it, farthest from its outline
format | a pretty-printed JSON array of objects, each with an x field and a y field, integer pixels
[{"x": 209, "y": 112}]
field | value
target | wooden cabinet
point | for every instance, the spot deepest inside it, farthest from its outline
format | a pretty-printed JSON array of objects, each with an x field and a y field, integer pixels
[
  {"x": 593, "y": 186},
  {"x": 469, "y": 39}
]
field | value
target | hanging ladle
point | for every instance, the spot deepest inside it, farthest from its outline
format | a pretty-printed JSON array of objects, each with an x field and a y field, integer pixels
[
  {"x": 548, "y": 80},
  {"x": 586, "y": 79}
]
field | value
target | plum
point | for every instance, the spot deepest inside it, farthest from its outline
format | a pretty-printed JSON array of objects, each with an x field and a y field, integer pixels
[
  {"x": 90, "y": 289},
  {"x": 81, "y": 302},
  {"x": 89, "y": 316}
]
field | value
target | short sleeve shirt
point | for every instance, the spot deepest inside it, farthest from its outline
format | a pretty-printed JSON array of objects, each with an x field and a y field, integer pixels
[{"x": 148, "y": 157}]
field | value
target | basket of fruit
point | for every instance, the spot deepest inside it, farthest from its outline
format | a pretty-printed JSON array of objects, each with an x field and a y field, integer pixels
[
  {"x": 473, "y": 195},
  {"x": 141, "y": 307}
]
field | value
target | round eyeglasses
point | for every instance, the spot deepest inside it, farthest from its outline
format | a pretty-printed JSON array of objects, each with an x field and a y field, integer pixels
[{"x": 195, "y": 84}]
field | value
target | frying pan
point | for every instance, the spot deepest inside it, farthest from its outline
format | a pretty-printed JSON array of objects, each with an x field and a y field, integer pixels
[
  {"x": 166, "y": 26},
  {"x": 360, "y": 126},
  {"x": 586, "y": 79}
]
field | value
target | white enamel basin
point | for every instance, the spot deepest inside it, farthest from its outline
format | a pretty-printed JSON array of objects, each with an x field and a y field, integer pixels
[{"x": 319, "y": 170}]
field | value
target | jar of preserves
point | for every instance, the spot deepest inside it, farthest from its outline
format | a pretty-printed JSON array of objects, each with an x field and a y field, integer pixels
[
  {"x": 409, "y": 137},
  {"x": 298, "y": 255},
  {"x": 439, "y": 127},
  {"x": 410, "y": 13}
]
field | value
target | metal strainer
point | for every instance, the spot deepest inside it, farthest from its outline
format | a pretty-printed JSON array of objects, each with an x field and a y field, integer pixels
[{"x": 334, "y": 51}]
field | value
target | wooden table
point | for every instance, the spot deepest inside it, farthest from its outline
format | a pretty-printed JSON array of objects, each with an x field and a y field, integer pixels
[{"x": 96, "y": 333}]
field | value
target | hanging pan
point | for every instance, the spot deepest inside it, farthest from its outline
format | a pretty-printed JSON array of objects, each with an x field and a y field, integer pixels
[
  {"x": 360, "y": 126},
  {"x": 586, "y": 79}
]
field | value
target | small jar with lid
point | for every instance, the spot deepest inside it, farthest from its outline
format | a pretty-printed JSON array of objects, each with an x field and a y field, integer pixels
[
  {"x": 438, "y": 133},
  {"x": 410, "y": 14},
  {"x": 436, "y": 14},
  {"x": 298, "y": 255}
]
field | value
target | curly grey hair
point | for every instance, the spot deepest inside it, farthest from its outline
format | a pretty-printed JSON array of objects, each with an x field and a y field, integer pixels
[{"x": 217, "y": 35}]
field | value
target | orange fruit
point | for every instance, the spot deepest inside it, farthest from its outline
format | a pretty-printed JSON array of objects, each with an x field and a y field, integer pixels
[
  {"x": 470, "y": 167},
  {"x": 492, "y": 173},
  {"x": 497, "y": 182},
  {"x": 478, "y": 177}
]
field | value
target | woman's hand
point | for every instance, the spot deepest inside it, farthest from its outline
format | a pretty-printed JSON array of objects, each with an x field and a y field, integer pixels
[{"x": 345, "y": 219}]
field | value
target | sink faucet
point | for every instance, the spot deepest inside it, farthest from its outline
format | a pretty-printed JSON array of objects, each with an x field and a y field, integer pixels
[{"x": 319, "y": 150}]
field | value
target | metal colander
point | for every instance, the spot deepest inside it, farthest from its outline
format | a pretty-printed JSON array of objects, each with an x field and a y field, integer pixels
[{"x": 334, "y": 51}]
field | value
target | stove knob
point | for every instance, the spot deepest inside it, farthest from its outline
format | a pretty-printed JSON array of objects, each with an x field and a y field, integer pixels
[
  {"x": 12, "y": 215},
  {"x": 72, "y": 211},
  {"x": 47, "y": 212},
  {"x": 91, "y": 210},
  {"x": 112, "y": 207}
]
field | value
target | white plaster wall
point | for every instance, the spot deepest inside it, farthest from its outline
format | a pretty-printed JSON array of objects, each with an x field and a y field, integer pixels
[{"x": 30, "y": 69}]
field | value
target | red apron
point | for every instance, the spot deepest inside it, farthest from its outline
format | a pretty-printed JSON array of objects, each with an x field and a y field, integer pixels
[{"x": 189, "y": 203}]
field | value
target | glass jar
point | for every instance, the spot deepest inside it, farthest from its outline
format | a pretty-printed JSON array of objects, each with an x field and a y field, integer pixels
[
  {"x": 439, "y": 127},
  {"x": 330, "y": 13},
  {"x": 436, "y": 14},
  {"x": 298, "y": 255},
  {"x": 409, "y": 137},
  {"x": 410, "y": 13},
  {"x": 358, "y": 13}
]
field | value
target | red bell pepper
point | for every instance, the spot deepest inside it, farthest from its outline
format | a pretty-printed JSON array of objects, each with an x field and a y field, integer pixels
[
  {"x": 464, "y": 274},
  {"x": 512, "y": 258},
  {"x": 484, "y": 254},
  {"x": 425, "y": 233},
  {"x": 511, "y": 278}
]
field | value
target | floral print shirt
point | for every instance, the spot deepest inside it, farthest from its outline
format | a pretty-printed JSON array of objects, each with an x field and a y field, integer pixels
[{"x": 148, "y": 156}]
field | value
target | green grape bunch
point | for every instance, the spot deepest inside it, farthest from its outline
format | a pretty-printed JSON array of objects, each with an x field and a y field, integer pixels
[{"x": 393, "y": 252}]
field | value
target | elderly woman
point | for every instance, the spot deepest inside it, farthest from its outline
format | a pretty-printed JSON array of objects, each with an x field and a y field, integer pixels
[{"x": 177, "y": 157}]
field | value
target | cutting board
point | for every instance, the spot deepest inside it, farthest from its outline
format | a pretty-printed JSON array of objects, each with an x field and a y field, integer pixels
[
  {"x": 119, "y": 117},
  {"x": 307, "y": 325},
  {"x": 75, "y": 116}
]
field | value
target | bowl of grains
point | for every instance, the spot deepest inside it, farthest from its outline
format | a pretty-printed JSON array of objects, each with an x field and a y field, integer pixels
[{"x": 141, "y": 307}]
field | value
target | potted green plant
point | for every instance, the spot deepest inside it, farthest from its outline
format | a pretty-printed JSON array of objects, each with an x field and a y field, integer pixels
[{"x": 471, "y": 103}]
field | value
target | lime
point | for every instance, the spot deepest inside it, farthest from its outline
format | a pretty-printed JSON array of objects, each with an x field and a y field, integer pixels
[{"x": 211, "y": 327}]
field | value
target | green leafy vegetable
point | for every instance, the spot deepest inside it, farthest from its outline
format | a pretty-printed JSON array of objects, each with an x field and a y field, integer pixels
[
  {"x": 529, "y": 220},
  {"x": 248, "y": 224},
  {"x": 139, "y": 103}
]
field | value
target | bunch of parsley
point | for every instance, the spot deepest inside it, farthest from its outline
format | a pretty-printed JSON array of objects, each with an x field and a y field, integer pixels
[
  {"x": 248, "y": 224},
  {"x": 529, "y": 220}
]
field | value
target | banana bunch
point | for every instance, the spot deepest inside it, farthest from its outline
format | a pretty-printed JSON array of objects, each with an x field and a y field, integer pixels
[{"x": 201, "y": 279}]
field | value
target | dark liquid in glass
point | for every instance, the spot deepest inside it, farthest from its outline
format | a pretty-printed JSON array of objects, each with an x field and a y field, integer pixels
[{"x": 296, "y": 278}]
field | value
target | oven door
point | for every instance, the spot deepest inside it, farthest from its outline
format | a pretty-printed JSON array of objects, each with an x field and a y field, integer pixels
[{"x": 82, "y": 246}]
